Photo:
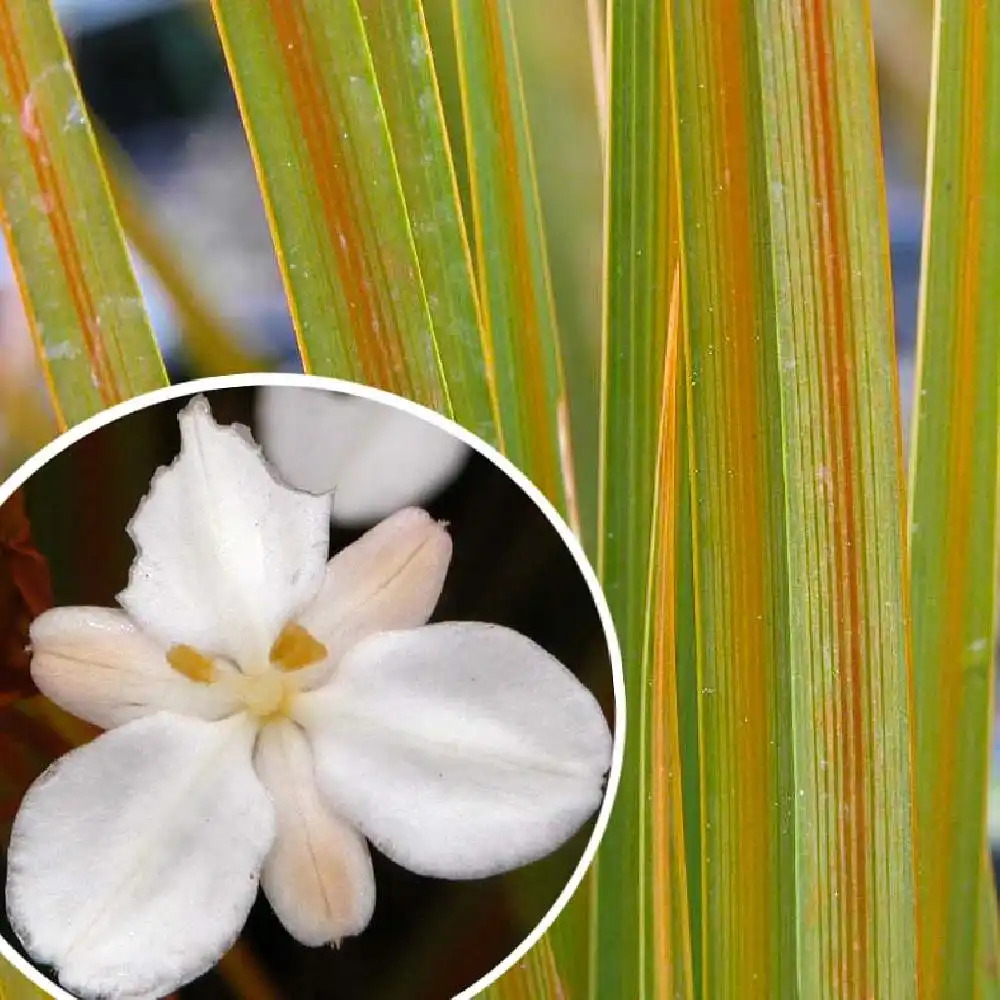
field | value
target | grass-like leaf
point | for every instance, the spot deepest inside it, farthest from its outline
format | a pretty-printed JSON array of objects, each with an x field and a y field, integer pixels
[
  {"x": 804, "y": 719},
  {"x": 81, "y": 294},
  {"x": 306, "y": 86},
  {"x": 510, "y": 253},
  {"x": 408, "y": 85},
  {"x": 745, "y": 870},
  {"x": 641, "y": 268},
  {"x": 666, "y": 917},
  {"x": 535, "y": 977},
  {"x": 953, "y": 514},
  {"x": 13, "y": 986}
]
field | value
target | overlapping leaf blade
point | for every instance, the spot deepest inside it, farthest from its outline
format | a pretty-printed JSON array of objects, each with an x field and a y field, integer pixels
[
  {"x": 535, "y": 977},
  {"x": 632, "y": 875},
  {"x": 954, "y": 533},
  {"x": 404, "y": 67},
  {"x": 510, "y": 252},
  {"x": 304, "y": 77}
]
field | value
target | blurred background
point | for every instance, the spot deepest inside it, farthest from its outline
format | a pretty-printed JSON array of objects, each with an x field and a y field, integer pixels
[
  {"x": 429, "y": 938},
  {"x": 153, "y": 75}
]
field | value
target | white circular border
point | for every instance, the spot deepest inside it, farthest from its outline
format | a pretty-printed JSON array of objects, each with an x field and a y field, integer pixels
[{"x": 194, "y": 386}]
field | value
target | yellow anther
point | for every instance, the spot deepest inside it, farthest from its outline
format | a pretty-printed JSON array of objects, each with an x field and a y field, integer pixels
[
  {"x": 296, "y": 648},
  {"x": 195, "y": 666}
]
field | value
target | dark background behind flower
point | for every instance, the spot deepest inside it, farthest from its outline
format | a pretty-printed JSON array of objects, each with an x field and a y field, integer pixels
[{"x": 429, "y": 938}]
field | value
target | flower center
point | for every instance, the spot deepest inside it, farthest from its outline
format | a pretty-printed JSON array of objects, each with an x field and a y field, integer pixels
[{"x": 266, "y": 695}]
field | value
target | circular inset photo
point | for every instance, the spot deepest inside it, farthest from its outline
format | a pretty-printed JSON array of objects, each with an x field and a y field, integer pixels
[{"x": 307, "y": 693}]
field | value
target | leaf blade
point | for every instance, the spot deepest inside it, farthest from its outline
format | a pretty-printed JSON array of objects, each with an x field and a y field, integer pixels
[
  {"x": 802, "y": 625},
  {"x": 510, "y": 253},
  {"x": 404, "y": 66},
  {"x": 83, "y": 301},
  {"x": 954, "y": 538},
  {"x": 325, "y": 164},
  {"x": 639, "y": 943}
]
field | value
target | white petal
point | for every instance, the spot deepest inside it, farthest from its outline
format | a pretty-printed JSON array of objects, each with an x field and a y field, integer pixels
[
  {"x": 459, "y": 749},
  {"x": 390, "y": 578},
  {"x": 227, "y": 555},
  {"x": 374, "y": 457},
  {"x": 134, "y": 860},
  {"x": 97, "y": 664},
  {"x": 318, "y": 876}
]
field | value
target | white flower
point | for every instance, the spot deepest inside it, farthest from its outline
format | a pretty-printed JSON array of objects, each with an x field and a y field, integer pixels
[
  {"x": 375, "y": 458},
  {"x": 268, "y": 711}
]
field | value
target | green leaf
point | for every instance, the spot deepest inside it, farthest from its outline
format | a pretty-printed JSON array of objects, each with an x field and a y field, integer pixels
[
  {"x": 954, "y": 535},
  {"x": 82, "y": 297},
  {"x": 313, "y": 113},
  {"x": 804, "y": 716},
  {"x": 510, "y": 252},
  {"x": 404, "y": 67},
  {"x": 641, "y": 859},
  {"x": 13, "y": 986},
  {"x": 535, "y": 977}
]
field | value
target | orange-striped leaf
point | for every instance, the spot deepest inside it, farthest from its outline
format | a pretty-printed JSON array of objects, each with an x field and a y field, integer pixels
[
  {"x": 306, "y": 86},
  {"x": 804, "y": 714},
  {"x": 69, "y": 256},
  {"x": 510, "y": 251}
]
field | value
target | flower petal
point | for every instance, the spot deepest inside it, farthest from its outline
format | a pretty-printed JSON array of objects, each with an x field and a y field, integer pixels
[
  {"x": 227, "y": 554},
  {"x": 459, "y": 749},
  {"x": 375, "y": 457},
  {"x": 97, "y": 664},
  {"x": 318, "y": 876},
  {"x": 134, "y": 860},
  {"x": 390, "y": 578}
]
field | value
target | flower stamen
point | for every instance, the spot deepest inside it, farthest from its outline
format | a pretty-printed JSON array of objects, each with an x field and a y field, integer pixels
[
  {"x": 195, "y": 666},
  {"x": 296, "y": 648}
]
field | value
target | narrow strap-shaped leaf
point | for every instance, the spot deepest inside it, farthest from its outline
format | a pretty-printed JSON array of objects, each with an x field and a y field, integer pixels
[
  {"x": 14, "y": 986},
  {"x": 641, "y": 265},
  {"x": 953, "y": 513},
  {"x": 80, "y": 291},
  {"x": 597, "y": 40},
  {"x": 510, "y": 253},
  {"x": 688, "y": 690},
  {"x": 670, "y": 972},
  {"x": 804, "y": 716},
  {"x": 847, "y": 616},
  {"x": 746, "y": 868},
  {"x": 311, "y": 106},
  {"x": 404, "y": 68},
  {"x": 535, "y": 977}
]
